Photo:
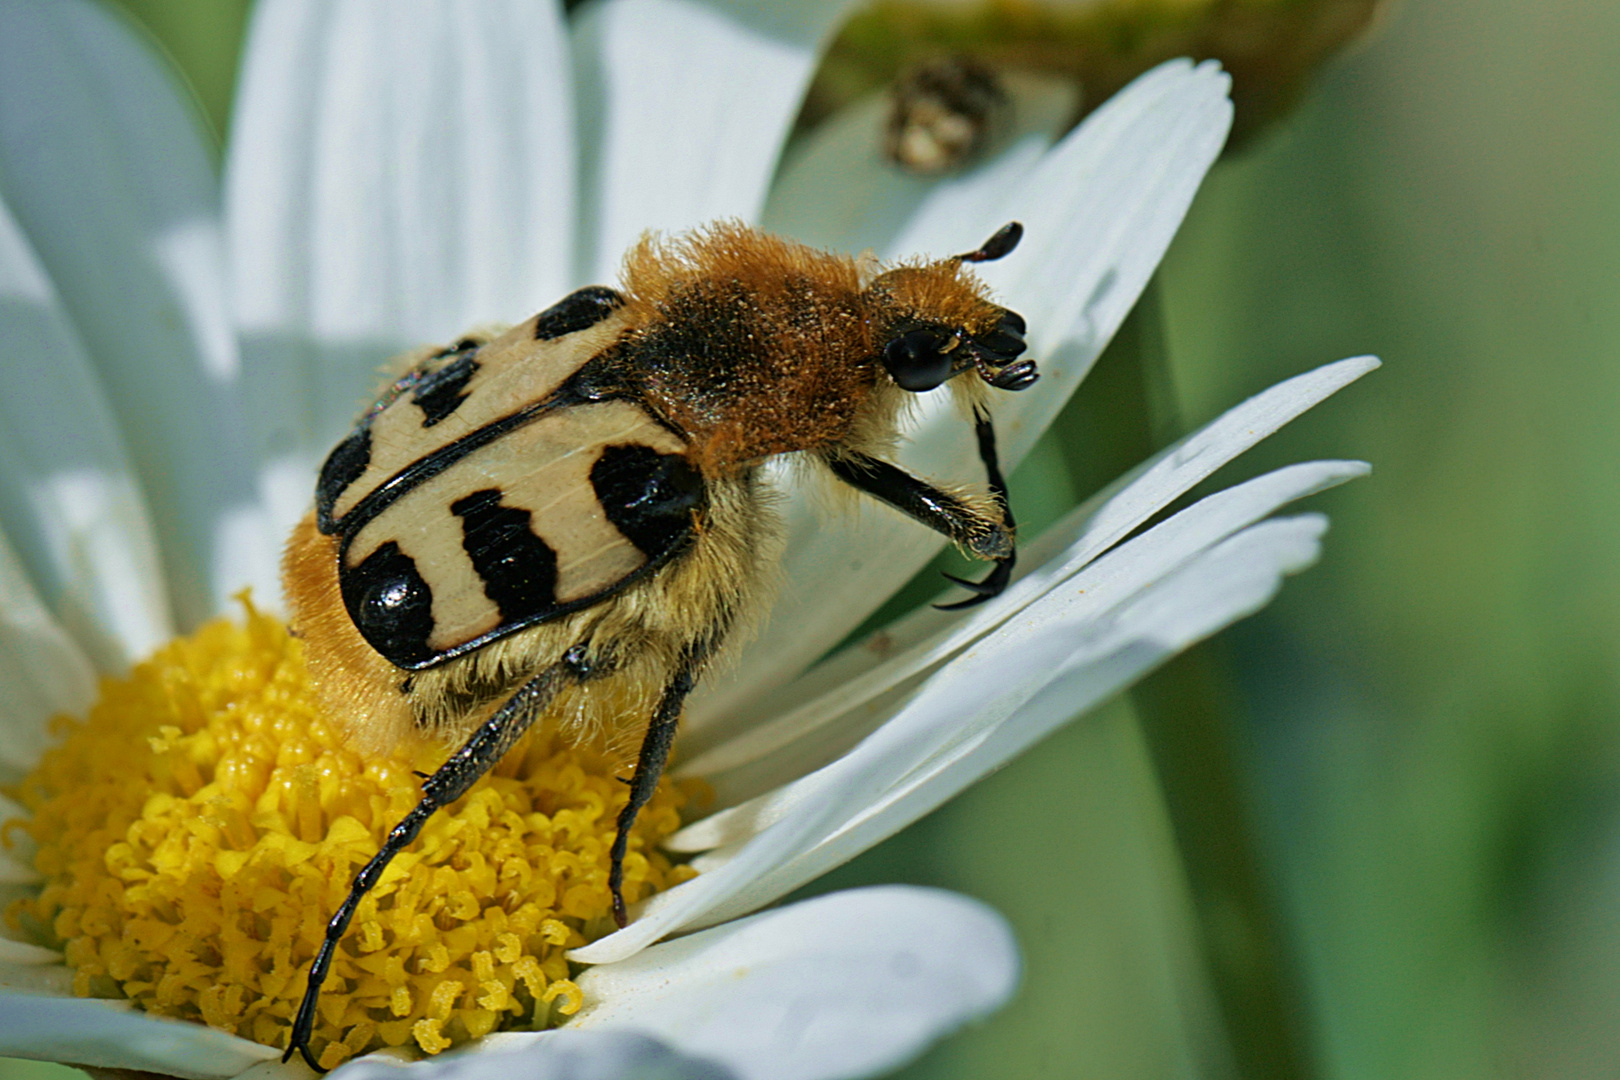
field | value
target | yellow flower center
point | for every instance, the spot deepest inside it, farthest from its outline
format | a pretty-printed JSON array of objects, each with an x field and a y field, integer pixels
[{"x": 198, "y": 830}]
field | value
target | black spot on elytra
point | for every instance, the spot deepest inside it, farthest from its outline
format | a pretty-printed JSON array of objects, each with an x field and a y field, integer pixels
[
  {"x": 518, "y": 568},
  {"x": 391, "y": 605},
  {"x": 344, "y": 465},
  {"x": 441, "y": 392},
  {"x": 647, "y": 495},
  {"x": 579, "y": 310}
]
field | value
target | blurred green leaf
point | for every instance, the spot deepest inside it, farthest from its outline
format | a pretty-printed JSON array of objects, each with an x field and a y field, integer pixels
[{"x": 1436, "y": 703}]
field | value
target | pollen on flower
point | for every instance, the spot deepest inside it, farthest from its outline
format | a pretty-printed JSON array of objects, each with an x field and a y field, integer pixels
[{"x": 196, "y": 832}]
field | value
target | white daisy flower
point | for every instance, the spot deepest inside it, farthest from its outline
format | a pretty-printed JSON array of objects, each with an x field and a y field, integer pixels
[{"x": 179, "y": 352}]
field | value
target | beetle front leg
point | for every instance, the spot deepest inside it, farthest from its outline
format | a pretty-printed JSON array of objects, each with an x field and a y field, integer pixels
[
  {"x": 982, "y": 535},
  {"x": 996, "y": 581}
]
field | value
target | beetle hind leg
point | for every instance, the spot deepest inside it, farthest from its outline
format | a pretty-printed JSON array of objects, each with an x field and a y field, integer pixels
[{"x": 482, "y": 750}]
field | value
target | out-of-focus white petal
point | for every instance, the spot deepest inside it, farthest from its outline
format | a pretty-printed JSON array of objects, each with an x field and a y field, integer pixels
[
  {"x": 683, "y": 108},
  {"x": 42, "y": 670},
  {"x": 398, "y": 173},
  {"x": 566, "y": 1054},
  {"x": 68, "y": 498},
  {"x": 839, "y": 192},
  {"x": 959, "y": 704},
  {"x": 850, "y": 984},
  {"x": 831, "y": 723},
  {"x": 105, "y": 166},
  {"x": 20, "y": 952},
  {"x": 44, "y": 980},
  {"x": 14, "y": 872},
  {"x": 107, "y": 1034},
  {"x": 1099, "y": 210}
]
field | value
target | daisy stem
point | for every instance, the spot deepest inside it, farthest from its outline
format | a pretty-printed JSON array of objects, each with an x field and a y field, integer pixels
[{"x": 1192, "y": 719}]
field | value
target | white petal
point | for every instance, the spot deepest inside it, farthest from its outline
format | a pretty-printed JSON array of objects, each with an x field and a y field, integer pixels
[
  {"x": 68, "y": 497},
  {"x": 831, "y": 723},
  {"x": 87, "y": 1031},
  {"x": 42, "y": 671},
  {"x": 20, "y": 952},
  {"x": 43, "y": 980},
  {"x": 398, "y": 173},
  {"x": 839, "y": 192},
  {"x": 851, "y": 984},
  {"x": 963, "y": 702},
  {"x": 20, "y": 752},
  {"x": 1093, "y": 595},
  {"x": 1102, "y": 521},
  {"x": 548, "y": 1055},
  {"x": 684, "y": 106},
  {"x": 1232, "y": 580},
  {"x": 1099, "y": 211},
  {"x": 15, "y": 872},
  {"x": 104, "y": 165}
]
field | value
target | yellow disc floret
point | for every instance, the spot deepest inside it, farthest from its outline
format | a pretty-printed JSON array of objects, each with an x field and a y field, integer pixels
[{"x": 196, "y": 832}]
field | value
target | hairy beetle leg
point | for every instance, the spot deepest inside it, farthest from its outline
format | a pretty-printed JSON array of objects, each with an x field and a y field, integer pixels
[
  {"x": 448, "y": 783},
  {"x": 649, "y": 767},
  {"x": 997, "y": 580}
]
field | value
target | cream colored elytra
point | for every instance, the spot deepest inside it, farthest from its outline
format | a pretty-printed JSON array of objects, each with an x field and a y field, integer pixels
[{"x": 541, "y": 467}]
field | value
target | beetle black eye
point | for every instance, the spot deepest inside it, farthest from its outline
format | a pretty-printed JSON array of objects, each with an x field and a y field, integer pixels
[{"x": 916, "y": 361}]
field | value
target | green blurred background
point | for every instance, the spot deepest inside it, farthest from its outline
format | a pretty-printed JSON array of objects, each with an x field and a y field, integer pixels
[{"x": 1387, "y": 838}]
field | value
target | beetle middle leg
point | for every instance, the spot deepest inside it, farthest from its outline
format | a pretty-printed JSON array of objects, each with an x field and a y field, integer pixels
[
  {"x": 486, "y": 746},
  {"x": 649, "y": 767}
]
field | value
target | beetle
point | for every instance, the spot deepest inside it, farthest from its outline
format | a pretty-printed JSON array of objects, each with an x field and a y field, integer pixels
[{"x": 569, "y": 519}]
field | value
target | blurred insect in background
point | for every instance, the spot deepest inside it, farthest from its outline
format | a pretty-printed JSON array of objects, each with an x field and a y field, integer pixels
[
  {"x": 949, "y": 69},
  {"x": 944, "y": 114},
  {"x": 568, "y": 519}
]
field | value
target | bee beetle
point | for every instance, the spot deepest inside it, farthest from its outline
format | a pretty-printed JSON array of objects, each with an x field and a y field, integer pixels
[{"x": 567, "y": 519}]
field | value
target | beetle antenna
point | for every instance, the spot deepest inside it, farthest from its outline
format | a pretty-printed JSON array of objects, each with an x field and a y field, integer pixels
[{"x": 997, "y": 246}]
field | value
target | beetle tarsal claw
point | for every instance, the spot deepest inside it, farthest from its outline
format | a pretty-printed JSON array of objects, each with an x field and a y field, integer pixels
[{"x": 993, "y": 585}]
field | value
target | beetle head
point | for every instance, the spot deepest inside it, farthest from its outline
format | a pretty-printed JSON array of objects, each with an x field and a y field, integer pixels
[{"x": 938, "y": 323}]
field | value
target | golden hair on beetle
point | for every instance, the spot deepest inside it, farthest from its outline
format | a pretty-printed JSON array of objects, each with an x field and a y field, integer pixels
[{"x": 567, "y": 522}]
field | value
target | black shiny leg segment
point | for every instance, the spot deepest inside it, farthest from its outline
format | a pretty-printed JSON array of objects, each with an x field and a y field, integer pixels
[
  {"x": 649, "y": 767},
  {"x": 447, "y": 784},
  {"x": 996, "y": 581},
  {"x": 944, "y": 513}
]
